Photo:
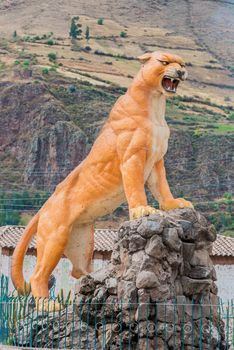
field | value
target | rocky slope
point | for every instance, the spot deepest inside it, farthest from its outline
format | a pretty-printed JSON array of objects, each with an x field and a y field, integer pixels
[{"x": 47, "y": 137}]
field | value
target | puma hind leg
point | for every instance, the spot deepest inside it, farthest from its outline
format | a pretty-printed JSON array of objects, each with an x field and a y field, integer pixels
[{"x": 50, "y": 248}]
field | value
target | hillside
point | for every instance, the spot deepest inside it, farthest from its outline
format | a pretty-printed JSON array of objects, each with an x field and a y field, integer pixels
[{"x": 55, "y": 93}]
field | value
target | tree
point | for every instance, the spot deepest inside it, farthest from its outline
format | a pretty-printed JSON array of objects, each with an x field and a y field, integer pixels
[
  {"x": 14, "y": 34},
  {"x": 52, "y": 56},
  {"x": 87, "y": 34},
  {"x": 75, "y": 28},
  {"x": 50, "y": 42},
  {"x": 100, "y": 21}
]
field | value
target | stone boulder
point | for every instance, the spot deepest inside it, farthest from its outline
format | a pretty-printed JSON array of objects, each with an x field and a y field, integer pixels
[{"x": 158, "y": 291}]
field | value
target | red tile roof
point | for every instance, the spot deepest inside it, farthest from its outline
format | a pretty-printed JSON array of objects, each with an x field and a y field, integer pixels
[
  {"x": 10, "y": 236},
  {"x": 104, "y": 240}
]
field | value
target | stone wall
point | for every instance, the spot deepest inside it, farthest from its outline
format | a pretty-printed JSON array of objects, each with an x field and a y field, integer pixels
[{"x": 158, "y": 292}]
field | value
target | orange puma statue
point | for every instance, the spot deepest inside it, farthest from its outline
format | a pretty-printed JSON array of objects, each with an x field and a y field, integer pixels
[{"x": 127, "y": 154}]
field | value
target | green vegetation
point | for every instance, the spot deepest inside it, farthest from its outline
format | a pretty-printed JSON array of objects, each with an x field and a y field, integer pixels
[
  {"x": 107, "y": 54},
  {"x": 231, "y": 116},
  {"x": 52, "y": 56},
  {"x": 14, "y": 34},
  {"x": 123, "y": 34},
  {"x": 220, "y": 212},
  {"x": 45, "y": 71},
  {"x": 13, "y": 204},
  {"x": 53, "y": 68},
  {"x": 224, "y": 128},
  {"x": 100, "y": 21},
  {"x": 75, "y": 28},
  {"x": 2, "y": 65},
  {"x": 72, "y": 88},
  {"x": 36, "y": 38},
  {"x": 87, "y": 34},
  {"x": 26, "y": 64},
  {"x": 50, "y": 42}
]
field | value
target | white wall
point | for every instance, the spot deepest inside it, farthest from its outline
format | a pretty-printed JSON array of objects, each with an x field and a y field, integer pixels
[
  {"x": 62, "y": 271},
  {"x": 225, "y": 281}
]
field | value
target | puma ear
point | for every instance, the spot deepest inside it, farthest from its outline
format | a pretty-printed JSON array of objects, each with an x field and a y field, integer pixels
[{"x": 145, "y": 57}]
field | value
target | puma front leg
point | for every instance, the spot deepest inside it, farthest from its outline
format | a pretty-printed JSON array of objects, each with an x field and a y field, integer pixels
[
  {"x": 158, "y": 186},
  {"x": 132, "y": 170}
]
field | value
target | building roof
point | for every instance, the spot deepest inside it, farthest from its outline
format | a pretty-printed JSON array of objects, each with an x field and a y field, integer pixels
[
  {"x": 104, "y": 240},
  {"x": 10, "y": 236},
  {"x": 223, "y": 246}
]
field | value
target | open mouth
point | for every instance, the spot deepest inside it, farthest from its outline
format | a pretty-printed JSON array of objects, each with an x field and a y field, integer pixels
[{"x": 170, "y": 84}]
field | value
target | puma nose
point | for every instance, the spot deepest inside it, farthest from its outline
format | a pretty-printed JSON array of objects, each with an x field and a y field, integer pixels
[{"x": 181, "y": 73}]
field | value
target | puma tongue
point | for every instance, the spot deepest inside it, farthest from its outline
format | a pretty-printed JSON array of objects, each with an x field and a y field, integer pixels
[{"x": 170, "y": 84}]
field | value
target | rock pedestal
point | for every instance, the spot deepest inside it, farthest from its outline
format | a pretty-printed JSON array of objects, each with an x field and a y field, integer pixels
[{"x": 158, "y": 291}]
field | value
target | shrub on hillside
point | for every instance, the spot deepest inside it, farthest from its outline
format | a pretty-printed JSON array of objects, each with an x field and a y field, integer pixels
[
  {"x": 100, "y": 21},
  {"x": 45, "y": 71},
  {"x": 52, "y": 56},
  {"x": 50, "y": 42},
  {"x": 123, "y": 34}
]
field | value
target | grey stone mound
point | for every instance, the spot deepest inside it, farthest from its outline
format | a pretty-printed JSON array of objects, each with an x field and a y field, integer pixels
[{"x": 158, "y": 292}]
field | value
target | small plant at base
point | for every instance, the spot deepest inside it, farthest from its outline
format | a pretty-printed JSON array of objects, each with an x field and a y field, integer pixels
[
  {"x": 17, "y": 62},
  {"x": 123, "y": 34},
  {"x": 100, "y": 21},
  {"x": 14, "y": 34}
]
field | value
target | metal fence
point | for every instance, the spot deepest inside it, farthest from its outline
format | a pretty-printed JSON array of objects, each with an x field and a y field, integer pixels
[{"x": 94, "y": 324}]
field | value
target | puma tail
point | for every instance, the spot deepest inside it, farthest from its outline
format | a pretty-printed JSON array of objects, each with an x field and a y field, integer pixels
[{"x": 18, "y": 256}]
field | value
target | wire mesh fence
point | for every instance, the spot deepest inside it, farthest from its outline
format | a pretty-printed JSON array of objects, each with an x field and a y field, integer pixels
[{"x": 114, "y": 324}]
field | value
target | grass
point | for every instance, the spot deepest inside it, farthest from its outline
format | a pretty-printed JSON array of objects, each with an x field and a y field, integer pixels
[{"x": 224, "y": 128}]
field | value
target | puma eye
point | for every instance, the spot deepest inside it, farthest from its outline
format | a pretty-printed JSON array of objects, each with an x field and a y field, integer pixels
[{"x": 165, "y": 63}]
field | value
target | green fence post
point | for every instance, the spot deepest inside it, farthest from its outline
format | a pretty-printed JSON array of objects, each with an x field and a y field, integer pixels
[
  {"x": 121, "y": 323},
  {"x": 174, "y": 325},
  {"x": 31, "y": 338},
  {"x": 73, "y": 325},
  {"x": 65, "y": 326},
  {"x": 95, "y": 323},
  {"x": 210, "y": 324},
  {"x": 52, "y": 343},
  {"x": 87, "y": 322},
  {"x": 227, "y": 324},
  {"x": 182, "y": 327},
  {"x": 219, "y": 320},
  {"x": 129, "y": 324},
  {"x": 80, "y": 314},
  {"x": 232, "y": 313},
  {"x": 156, "y": 325}
]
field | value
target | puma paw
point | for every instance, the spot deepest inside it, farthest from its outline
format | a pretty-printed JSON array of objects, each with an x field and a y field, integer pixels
[
  {"x": 175, "y": 203},
  {"x": 139, "y": 212}
]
